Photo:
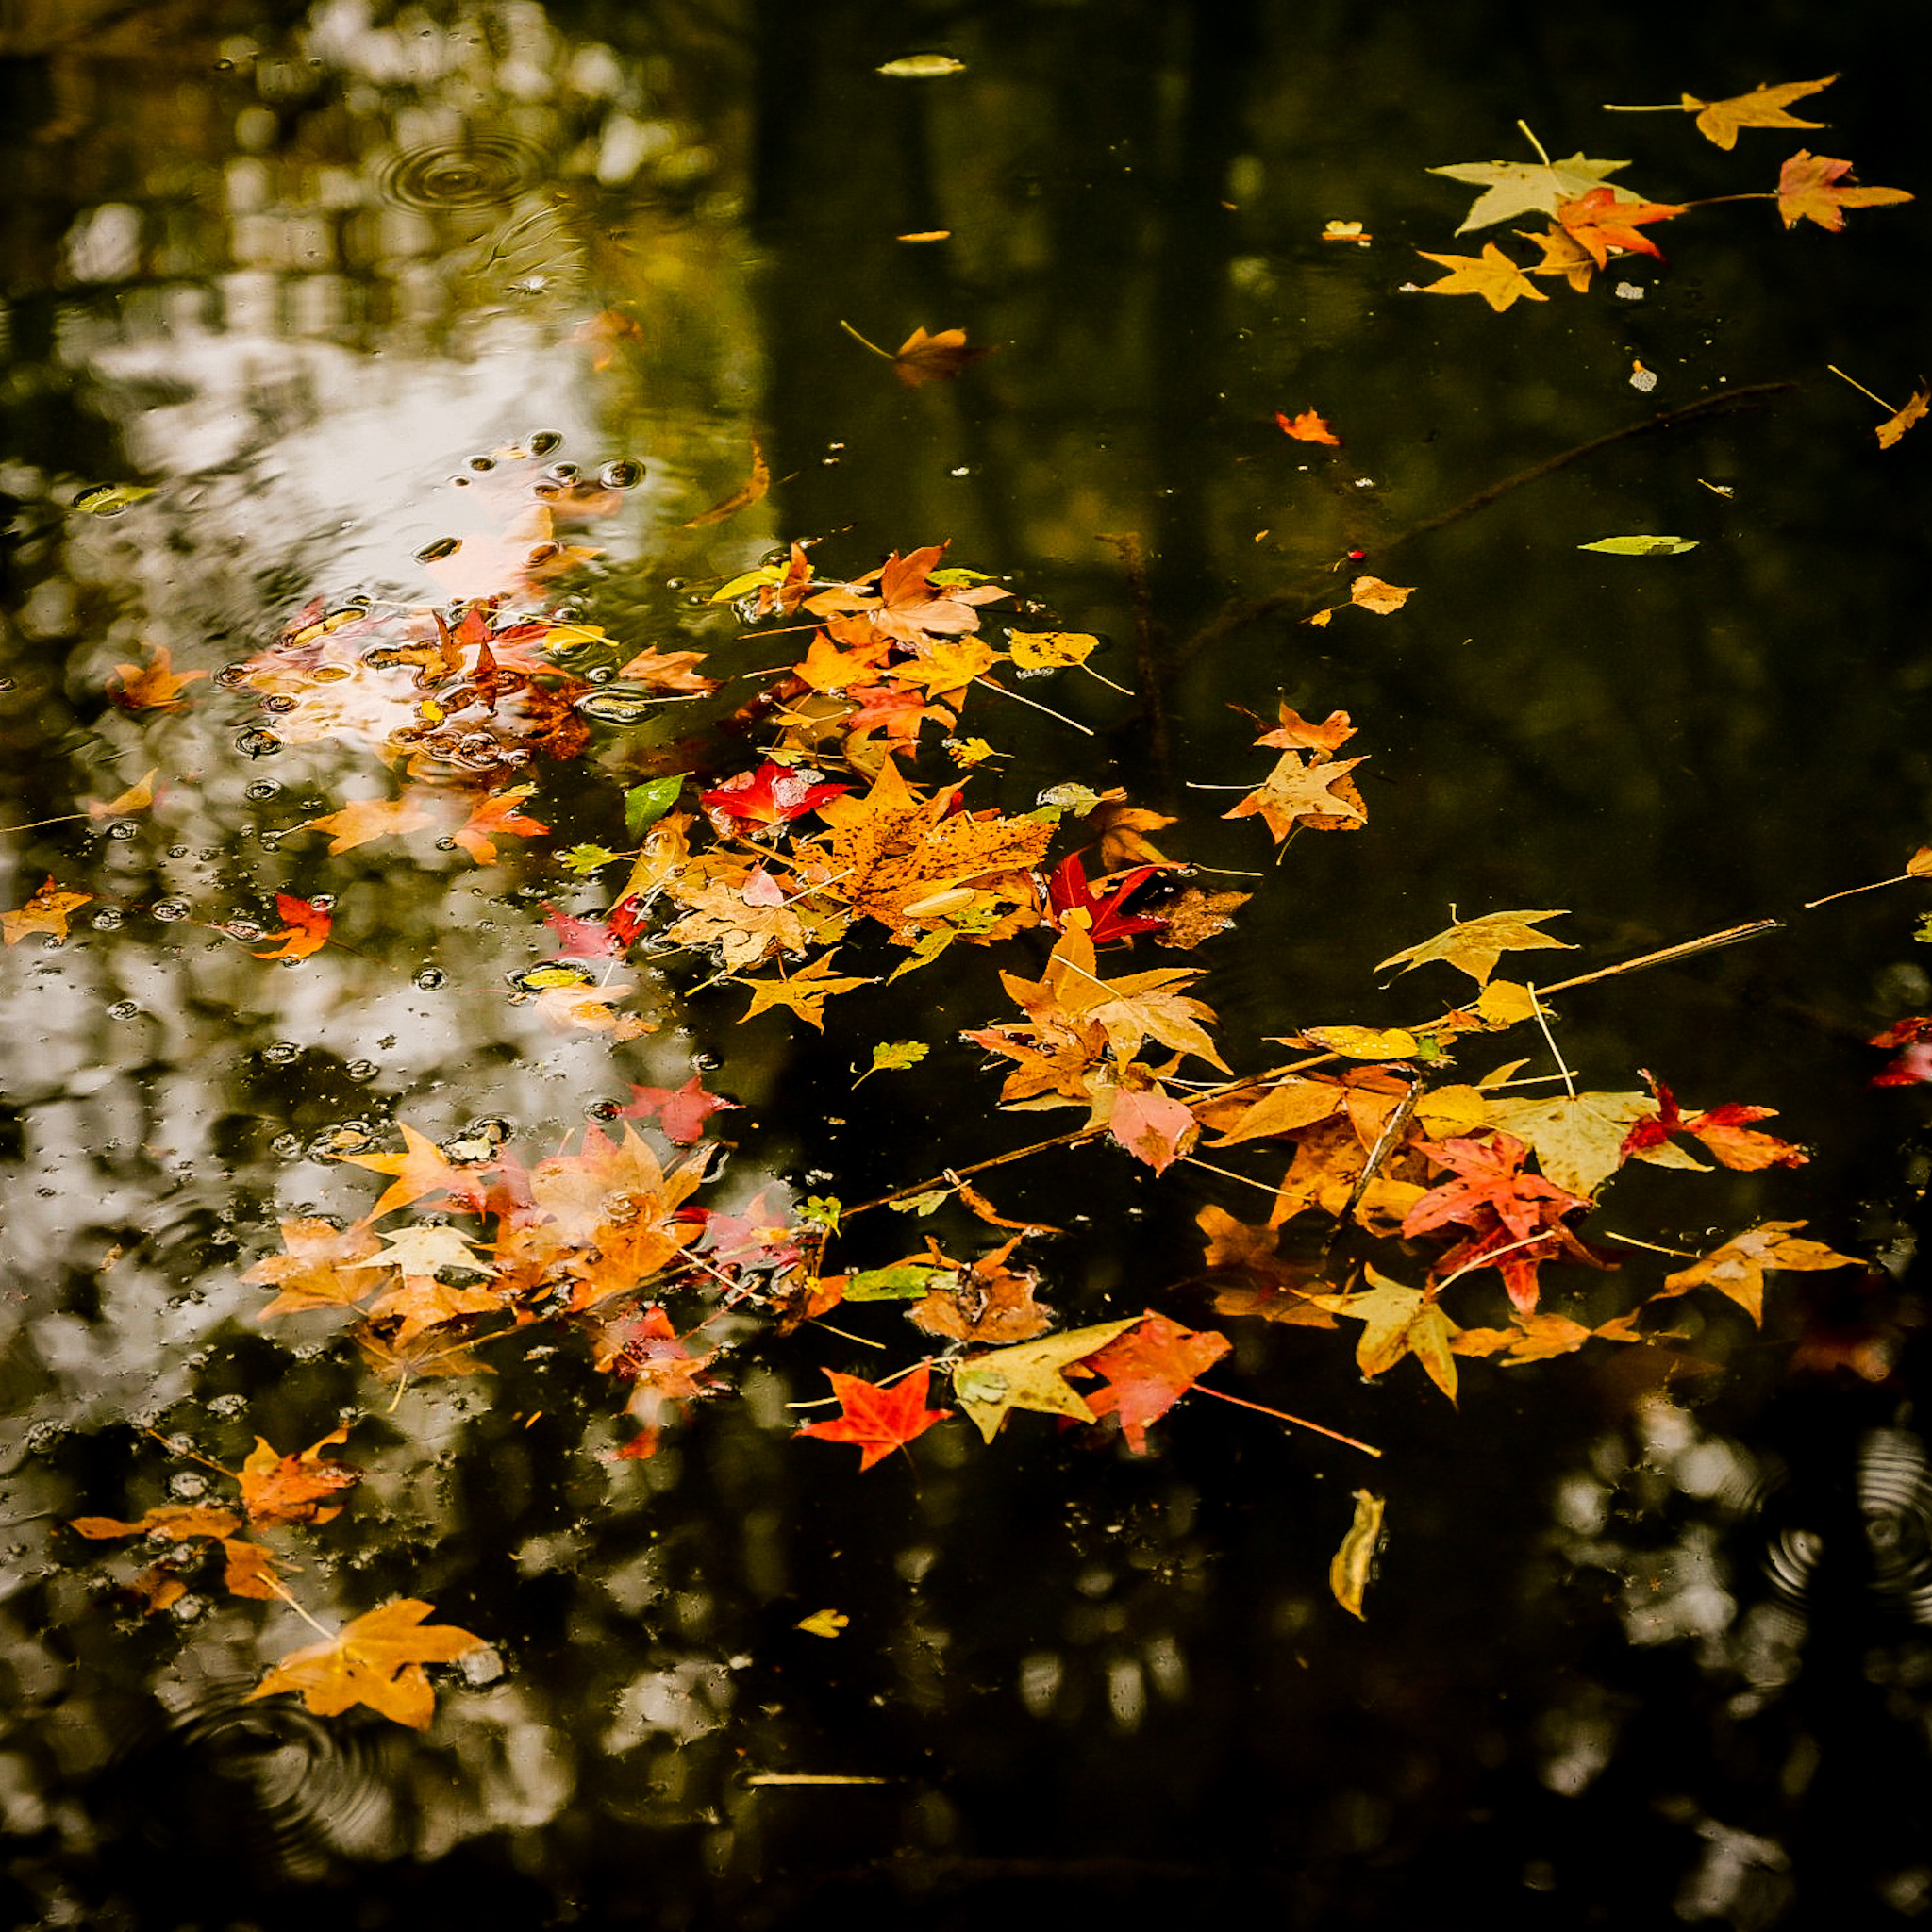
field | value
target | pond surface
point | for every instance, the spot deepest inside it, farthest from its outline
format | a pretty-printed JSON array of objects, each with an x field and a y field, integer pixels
[{"x": 391, "y": 395}]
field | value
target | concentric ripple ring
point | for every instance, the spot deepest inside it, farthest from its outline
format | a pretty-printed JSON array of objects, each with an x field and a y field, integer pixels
[{"x": 483, "y": 171}]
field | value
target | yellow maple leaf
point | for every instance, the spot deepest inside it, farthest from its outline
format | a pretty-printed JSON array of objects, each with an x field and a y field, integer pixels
[
  {"x": 47, "y": 911},
  {"x": 1493, "y": 275},
  {"x": 155, "y": 686},
  {"x": 377, "y": 1661},
  {"x": 805, "y": 992},
  {"x": 1763, "y": 107},
  {"x": 364, "y": 819},
  {"x": 1476, "y": 945}
]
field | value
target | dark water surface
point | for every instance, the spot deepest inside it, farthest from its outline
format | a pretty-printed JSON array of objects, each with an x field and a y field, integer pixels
[{"x": 1648, "y": 1637}]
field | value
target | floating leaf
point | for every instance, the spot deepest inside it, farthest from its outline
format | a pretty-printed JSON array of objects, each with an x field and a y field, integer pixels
[
  {"x": 921, "y": 67},
  {"x": 1641, "y": 546},
  {"x": 1349, "y": 1571}
]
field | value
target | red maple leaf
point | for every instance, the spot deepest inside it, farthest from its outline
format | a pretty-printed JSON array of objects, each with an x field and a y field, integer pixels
[
  {"x": 304, "y": 931},
  {"x": 642, "y": 1348},
  {"x": 681, "y": 1112},
  {"x": 1599, "y": 221},
  {"x": 1915, "y": 1063},
  {"x": 877, "y": 1419},
  {"x": 1149, "y": 1369},
  {"x": 1724, "y": 1130},
  {"x": 581, "y": 938},
  {"x": 1069, "y": 891},
  {"x": 1503, "y": 1207},
  {"x": 775, "y": 794}
]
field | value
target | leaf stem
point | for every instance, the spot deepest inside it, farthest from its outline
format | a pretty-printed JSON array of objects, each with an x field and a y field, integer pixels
[
  {"x": 1832, "y": 366},
  {"x": 1085, "y": 730},
  {"x": 1281, "y": 1415},
  {"x": 858, "y": 338}
]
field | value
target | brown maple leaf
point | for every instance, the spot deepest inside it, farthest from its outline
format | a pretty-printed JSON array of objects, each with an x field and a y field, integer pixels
[
  {"x": 1320, "y": 795},
  {"x": 984, "y": 1302},
  {"x": 1739, "y": 1266}
]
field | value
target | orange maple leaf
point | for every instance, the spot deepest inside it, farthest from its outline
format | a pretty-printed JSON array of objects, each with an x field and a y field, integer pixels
[
  {"x": 306, "y": 932},
  {"x": 294, "y": 1489},
  {"x": 1306, "y": 428},
  {"x": 922, "y": 358},
  {"x": 875, "y": 1419},
  {"x": 154, "y": 687},
  {"x": 496, "y": 813},
  {"x": 421, "y": 1168},
  {"x": 47, "y": 911},
  {"x": 364, "y": 819},
  {"x": 1599, "y": 221},
  {"x": 320, "y": 1267},
  {"x": 377, "y": 1661}
]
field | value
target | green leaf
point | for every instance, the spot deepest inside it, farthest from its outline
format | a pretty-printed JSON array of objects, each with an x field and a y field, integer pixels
[
  {"x": 923, "y": 67},
  {"x": 586, "y": 857},
  {"x": 904, "y": 1281},
  {"x": 822, "y": 1210},
  {"x": 894, "y": 1055},
  {"x": 1924, "y": 931},
  {"x": 1642, "y": 546},
  {"x": 644, "y": 805}
]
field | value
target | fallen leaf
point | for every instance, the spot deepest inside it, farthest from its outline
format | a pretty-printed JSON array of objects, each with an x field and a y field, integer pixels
[
  {"x": 1602, "y": 220},
  {"x": 155, "y": 686},
  {"x": 1153, "y": 1126},
  {"x": 1517, "y": 187},
  {"x": 1641, "y": 546},
  {"x": 295, "y": 1489},
  {"x": 1308, "y": 426},
  {"x": 322, "y": 1266},
  {"x": 1888, "y": 432},
  {"x": 923, "y": 358},
  {"x": 877, "y": 1419},
  {"x": 305, "y": 930},
  {"x": 1320, "y": 795},
  {"x": 377, "y": 1661},
  {"x": 1475, "y": 945},
  {"x": 1808, "y": 188},
  {"x": 141, "y": 794},
  {"x": 1763, "y": 107},
  {"x": 805, "y": 992},
  {"x": 1352, "y": 1563},
  {"x": 1398, "y": 1321},
  {"x": 364, "y": 819},
  {"x": 1738, "y": 1267},
  {"x": 47, "y": 911},
  {"x": 921, "y": 67},
  {"x": 1029, "y": 1375},
  {"x": 1493, "y": 275},
  {"x": 1149, "y": 1369}
]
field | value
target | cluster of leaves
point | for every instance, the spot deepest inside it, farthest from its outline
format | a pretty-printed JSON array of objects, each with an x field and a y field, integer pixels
[
  {"x": 823, "y": 842},
  {"x": 1592, "y": 220}
]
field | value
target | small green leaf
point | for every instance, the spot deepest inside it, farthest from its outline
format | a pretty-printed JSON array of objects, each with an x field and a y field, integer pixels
[
  {"x": 822, "y": 1210},
  {"x": 1642, "y": 546},
  {"x": 743, "y": 585},
  {"x": 921, "y": 1204},
  {"x": 1925, "y": 929},
  {"x": 894, "y": 1055},
  {"x": 905, "y": 1281},
  {"x": 587, "y": 857},
  {"x": 110, "y": 499},
  {"x": 644, "y": 805},
  {"x": 922, "y": 67}
]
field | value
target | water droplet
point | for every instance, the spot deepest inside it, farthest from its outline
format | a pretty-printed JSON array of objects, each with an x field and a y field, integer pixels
[
  {"x": 263, "y": 788},
  {"x": 281, "y": 1053},
  {"x": 543, "y": 442},
  {"x": 481, "y": 463},
  {"x": 258, "y": 745},
  {"x": 446, "y": 845},
  {"x": 177, "y": 851},
  {"x": 9, "y": 683},
  {"x": 563, "y": 473},
  {"x": 286, "y": 1146},
  {"x": 362, "y": 1070},
  {"x": 232, "y": 676},
  {"x": 431, "y": 977},
  {"x": 707, "y": 1062},
  {"x": 624, "y": 473},
  {"x": 123, "y": 1009},
  {"x": 108, "y": 921},
  {"x": 246, "y": 931},
  {"x": 603, "y": 1110},
  {"x": 123, "y": 828},
  {"x": 435, "y": 553},
  {"x": 169, "y": 910}
]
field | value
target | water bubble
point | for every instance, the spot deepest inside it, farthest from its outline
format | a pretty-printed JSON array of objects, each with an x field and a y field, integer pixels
[
  {"x": 707, "y": 1062},
  {"x": 258, "y": 745},
  {"x": 10, "y": 683},
  {"x": 281, "y": 1053},
  {"x": 123, "y": 1009},
  {"x": 279, "y": 703},
  {"x": 436, "y": 551},
  {"x": 624, "y": 473},
  {"x": 245, "y": 930},
  {"x": 431, "y": 977},
  {"x": 232, "y": 676},
  {"x": 169, "y": 910},
  {"x": 543, "y": 440},
  {"x": 563, "y": 473},
  {"x": 123, "y": 828},
  {"x": 362, "y": 1070},
  {"x": 263, "y": 788},
  {"x": 616, "y": 706},
  {"x": 286, "y": 1146},
  {"x": 603, "y": 1110},
  {"x": 332, "y": 1144},
  {"x": 446, "y": 845},
  {"x": 108, "y": 921},
  {"x": 481, "y": 463}
]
